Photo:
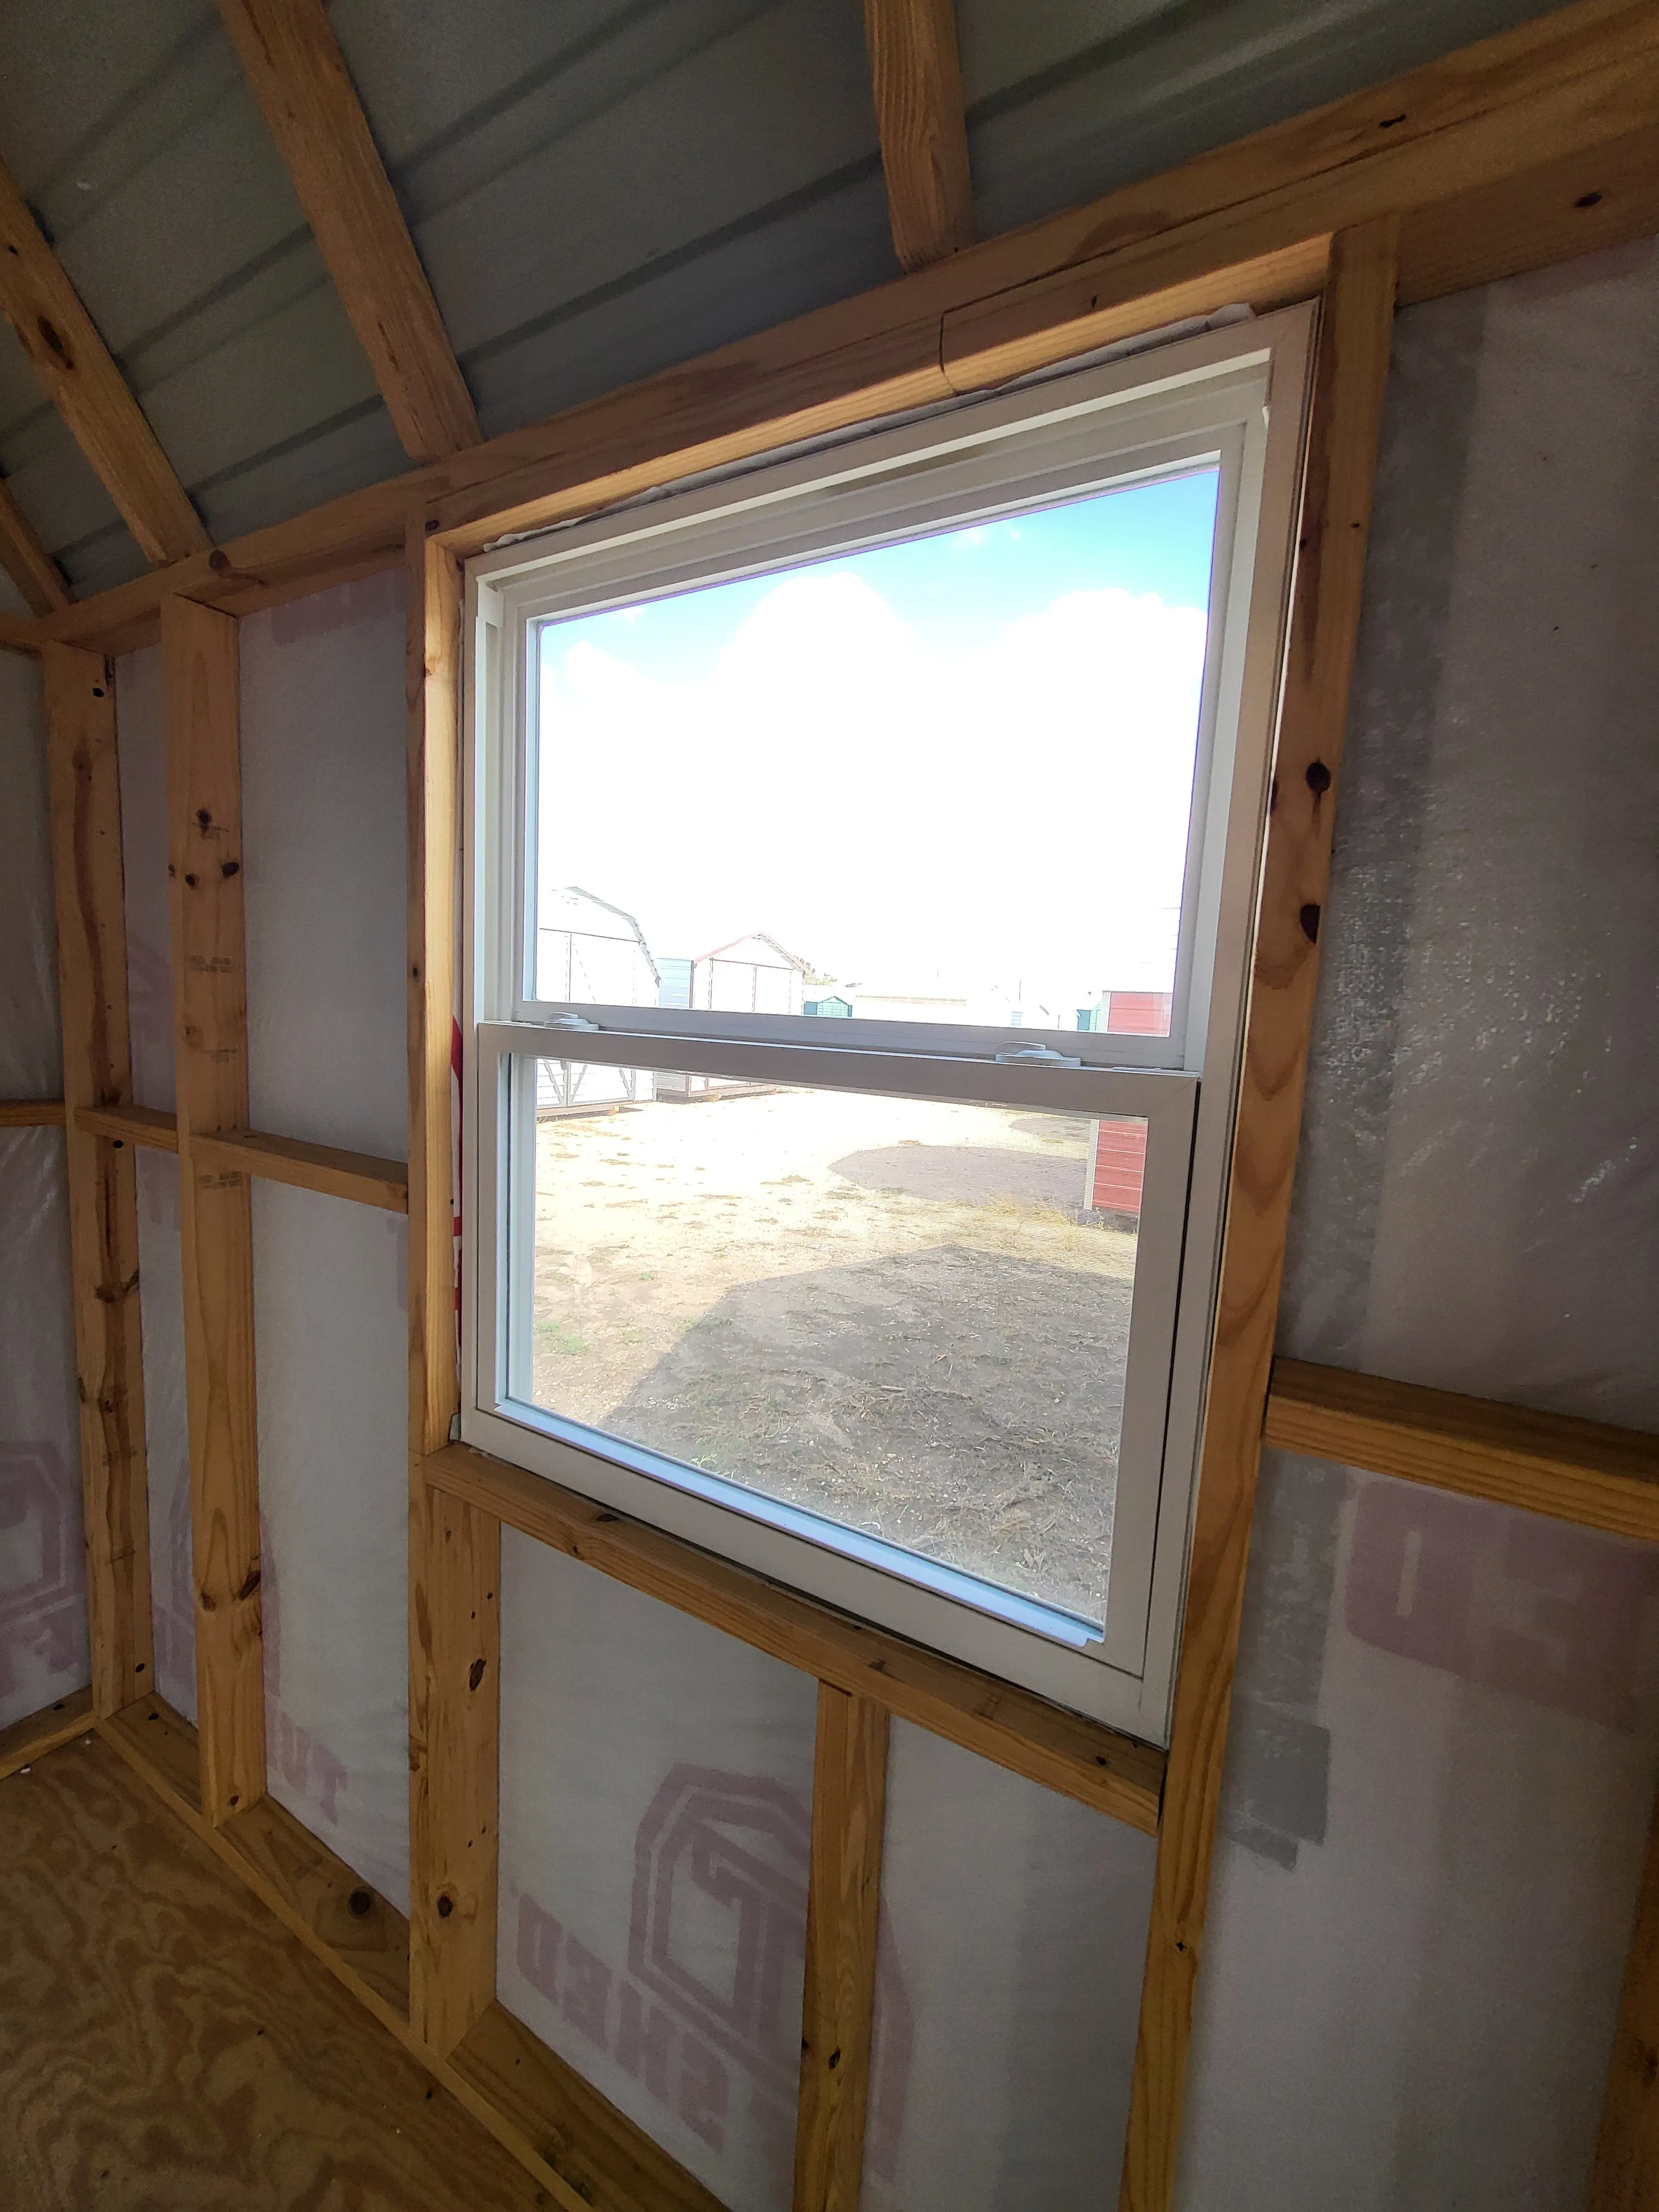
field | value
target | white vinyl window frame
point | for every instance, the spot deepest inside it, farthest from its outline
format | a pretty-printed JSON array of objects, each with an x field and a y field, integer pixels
[{"x": 1232, "y": 398}]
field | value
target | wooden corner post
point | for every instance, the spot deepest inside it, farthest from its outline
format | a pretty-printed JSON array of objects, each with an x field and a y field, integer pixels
[
  {"x": 1356, "y": 325},
  {"x": 92, "y": 971},
  {"x": 210, "y": 1001},
  {"x": 454, "y": 1546}
]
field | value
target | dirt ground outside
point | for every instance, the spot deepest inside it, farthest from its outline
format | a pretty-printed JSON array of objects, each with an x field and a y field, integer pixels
[{"x": 895, "y": 1313}]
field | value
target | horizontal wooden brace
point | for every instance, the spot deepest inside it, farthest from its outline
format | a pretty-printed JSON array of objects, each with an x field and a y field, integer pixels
[
  {"x": 31, "y": 1113},
  {"x": 131, "y": 1125},
  {"x": 577, "y": 2144},
  {"x": 1065, "y": 1751},
  {"x": 1582, "y": 1471},
  {"x": 361, "y": 1176},
  {"x": 364, "y": 1177},
  {"x": 37, "y": 1734}
]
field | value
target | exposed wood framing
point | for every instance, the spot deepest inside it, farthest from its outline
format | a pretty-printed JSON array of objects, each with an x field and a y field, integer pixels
[
  {"x": 1350, "y": 376},
  {"x": 37, "y": 1734},
  {"x": 1625, "y": 2175},
  {"x": 292, "y": 61},
  {"x": 917, "y": 82},
  {"x": 131, "y": 1125},
  {"x": 92, "y": 973},
  {"x": 1574, "y": 1470},
  {"x": 850, "y": 1802},
  {"x": 576, "y": 2143},
  {"x": 1512, "y": 154},
  {"x": 88, "y": 390},
  {"x": 432, "y": 700},
  {"x": 360, "y": 1177},
  {"x": 454, "y": 1720},
  {"x": 1012, "y": 1727},
  {"x": 27, "y": 561},
  {"x": 204, "y": 810},
  {"x": 31, "y": 1114}
]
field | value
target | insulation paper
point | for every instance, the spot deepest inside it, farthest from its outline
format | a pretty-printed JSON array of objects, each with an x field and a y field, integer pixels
[
  {"x": 655, "y": 1829},
  {"x": 31, "y": 1054},
  {"x": 1477, "y": 1202},
  {"x": 332, "y": 1336},
  {"x": 43, "y": 1607},
  {"x": 1012, "y": 1936},
  {"x": 323, "y": 838},
  {"x": 1441, "y": 1769},
  {"x": 167, "y": 1430},
  {"x": 141, "y": 734}
]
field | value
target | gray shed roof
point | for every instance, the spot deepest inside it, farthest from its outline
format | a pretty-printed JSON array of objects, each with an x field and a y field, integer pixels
[{"x": 598, "y": 189}]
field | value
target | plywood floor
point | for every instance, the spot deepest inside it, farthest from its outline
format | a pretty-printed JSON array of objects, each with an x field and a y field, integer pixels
[{"x": 166, "y": 2046}]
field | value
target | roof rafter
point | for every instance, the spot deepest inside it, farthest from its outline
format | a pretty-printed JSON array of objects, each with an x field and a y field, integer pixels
[
  {"x": 87, "y": 389},
  {"x": 917, "y": 82},
  {"x": 27, "y": 561},
  {"x": 293, "y": 62}
]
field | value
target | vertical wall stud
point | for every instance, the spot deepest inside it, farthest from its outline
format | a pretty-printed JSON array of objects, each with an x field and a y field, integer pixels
[
  {"x": 1355, "y": 331},
  {"x": 1626, "y": 2176},
  {"x": 455, "y": 1550},
  {"x": 209, "y": 997},
  {"x": 92, "y": 964},
  {"x": 849, "y": 1797}
]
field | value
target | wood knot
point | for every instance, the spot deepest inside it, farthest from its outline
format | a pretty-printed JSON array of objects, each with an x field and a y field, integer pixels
[
  {"x": 446, "y": 1906},
  {"x": 359, "y": 1902},
  {"x": 475, "y": 1675}
]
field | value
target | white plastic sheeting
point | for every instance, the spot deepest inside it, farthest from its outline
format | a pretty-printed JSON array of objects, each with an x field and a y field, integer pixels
[
  {"x": 1013, "y": 1938},
  {"x": 323, "y": 843},
  {"x": 655, "y": 1825},
  {"x": 166, "y": 1430},
  {"x": 43, "y": 1607},
  {"x": 1436, "y": 1806},
  {"x": 43, "y": 1624},
  {"x": 331, "y": 1334},
  {"x": 1445, "y": 1735},
  {"x": 1478, "y": 1197}
]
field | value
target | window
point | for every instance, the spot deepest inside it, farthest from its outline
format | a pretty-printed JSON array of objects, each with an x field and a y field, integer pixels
[{"x": 862, "y": 858}]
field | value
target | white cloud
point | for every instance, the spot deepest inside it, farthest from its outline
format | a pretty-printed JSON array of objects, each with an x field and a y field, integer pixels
[{"x": 1012, "y": 811}]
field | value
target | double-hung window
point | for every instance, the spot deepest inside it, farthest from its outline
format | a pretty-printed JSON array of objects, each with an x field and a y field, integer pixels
[{"x": 862, "y": 862}]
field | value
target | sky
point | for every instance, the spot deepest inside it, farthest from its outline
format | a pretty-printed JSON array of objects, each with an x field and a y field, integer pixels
[{"x": 960, "y": 764}]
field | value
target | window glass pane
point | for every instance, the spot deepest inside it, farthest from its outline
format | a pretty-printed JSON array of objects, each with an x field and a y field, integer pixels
[
  {"x": 909, "y": 1317},
  {"x": 945, "y": 781}
]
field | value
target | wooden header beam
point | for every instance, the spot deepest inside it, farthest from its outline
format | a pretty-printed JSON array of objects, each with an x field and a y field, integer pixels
[
  {"x": 1520, "y": 151},
  {"x": 917, "y": 82},
  {"x": 292, "y": 61},
  {"x": 88, "y": 390}
]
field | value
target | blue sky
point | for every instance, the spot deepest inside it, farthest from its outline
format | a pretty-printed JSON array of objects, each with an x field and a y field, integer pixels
[
  {"x": 959, "y": 764},
  {"x": 1151, "y": 538}
]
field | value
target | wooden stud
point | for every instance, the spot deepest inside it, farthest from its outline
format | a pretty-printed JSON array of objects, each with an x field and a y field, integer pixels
[
  {"x": 292, "y": 61},
  {"x": 849, "y": 1798},
  {"x": 433, "y": 701},
  {"x": 360, "y": 1177},
  {"x": 84, "y": 385},
  {"x": 1014, "y": 1727},
  {"x": 917, "y": 82},
  {"x": 209, "y": 990},
  {"x": 1573, "y": 1470},
  {"x": 131, "y": 1125},
  {"x": 1349, "y": 377},
  {"x": 92, "y": 969},
  {"x": 1626, "y": 2175},
  {"x": 27, "y": 561},
  {"x": 454, "y": 1721},
  {"x": 31, "y": 1113}
]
